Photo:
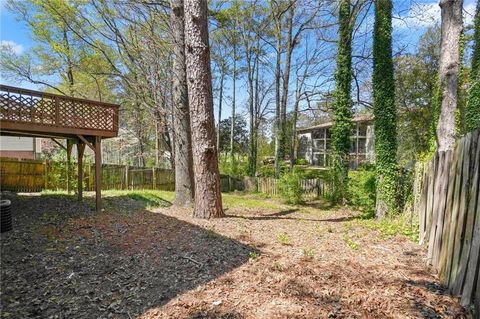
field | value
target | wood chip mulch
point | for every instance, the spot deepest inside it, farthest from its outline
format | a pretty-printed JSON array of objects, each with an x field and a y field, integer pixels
[{"x": 63, "y": 260}]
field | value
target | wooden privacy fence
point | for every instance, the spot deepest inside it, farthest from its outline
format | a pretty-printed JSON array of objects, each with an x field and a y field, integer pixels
[
  {"x": 22, "y": 176},
  {"x": 36, "y": 175},
  {"x": 312, "y": 188},
  {"x": 449, "y": 216}
]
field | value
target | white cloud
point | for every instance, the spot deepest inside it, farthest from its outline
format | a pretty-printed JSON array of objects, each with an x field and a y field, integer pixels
[{"x": 13, "y": 46}]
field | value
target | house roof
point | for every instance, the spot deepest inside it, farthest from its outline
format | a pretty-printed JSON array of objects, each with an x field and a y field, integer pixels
[{"x": 356, "y": 119}]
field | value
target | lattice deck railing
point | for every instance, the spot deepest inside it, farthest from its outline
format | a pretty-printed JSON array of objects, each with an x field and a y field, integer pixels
[{"x": 24, "y": 110}]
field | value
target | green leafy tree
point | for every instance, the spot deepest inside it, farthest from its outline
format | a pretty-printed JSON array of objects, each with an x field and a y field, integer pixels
[
  {"x": 240, "y": 135},
  {"x": 472, "y": 111},
  {"x": 415, "y": 83},
  {"x": 342, "y": 106},
  {"x": 384, "y": 110}
]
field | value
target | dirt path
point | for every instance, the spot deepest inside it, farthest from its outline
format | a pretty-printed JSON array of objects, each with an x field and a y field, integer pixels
[{"x": 276, "y": 262}]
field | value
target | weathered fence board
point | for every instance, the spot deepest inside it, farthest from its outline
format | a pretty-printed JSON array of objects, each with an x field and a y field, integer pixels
[{"x": 449, "y": 216}]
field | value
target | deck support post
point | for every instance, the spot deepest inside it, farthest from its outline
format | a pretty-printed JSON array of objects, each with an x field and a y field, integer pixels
[
  {"x": 80, "y": 151},
  {"x": 98, "y": 173},
  {"x": 69, "y": 159}
]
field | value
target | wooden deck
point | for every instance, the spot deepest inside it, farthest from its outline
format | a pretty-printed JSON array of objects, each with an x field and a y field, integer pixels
[
  {"x": 28, "y": 112},
  {"x": 82, "y": 122}
]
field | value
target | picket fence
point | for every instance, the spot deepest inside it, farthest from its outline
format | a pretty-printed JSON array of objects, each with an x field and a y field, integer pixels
[
  {"x": 449, "y": 216},
  {"x": 35, "y": 175}
]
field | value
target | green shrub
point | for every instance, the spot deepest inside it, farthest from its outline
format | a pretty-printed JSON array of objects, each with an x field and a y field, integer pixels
[
  {"x": 362, "y": 189},
  {"x": 301, "y": 161},
  {"x": 283, "y": 238},
  {"x": 237, "y": 168},
  {"x": 290, "y": 187}
]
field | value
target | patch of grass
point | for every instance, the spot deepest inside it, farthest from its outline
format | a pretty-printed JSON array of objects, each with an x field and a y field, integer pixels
[
  {"x": 350, "y": 243},
  {"x": 308, "y": 253},
  {"x": 277, "y": 266},
  {"x": 151, "y": 198},
  {"x": 250, "y": 201},
  {"x": 283, "y": 238},
  {"x": 253, "y": 256},
  {"x": 389, "y": 227}
]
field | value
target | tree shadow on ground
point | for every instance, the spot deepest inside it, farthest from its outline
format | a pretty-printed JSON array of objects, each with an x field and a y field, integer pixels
[
  {"x": 63, "y": 259},
  {"x": 284, "y": 215}
]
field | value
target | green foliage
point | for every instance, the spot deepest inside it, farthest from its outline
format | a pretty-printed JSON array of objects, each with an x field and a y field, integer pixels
[
  {"x": 237, "y": 168},
  {"x": 415, "y": 82},
  {"x": 472, "y": 111},
  {"x": 240, "y": 135},
  {"x": 362, "y": 189},
  {"x": 349, "y": 241},
  {"x": 308, "y": 254},
  {"x": 384, "y": 109},
  {"x": 301, "y": 161},
  {"x": 150, "y": 198},
  {"x": 290, "y": 187},
  {"x": 283, "y": 238},
  {"x": 342, "y": 106},
  {"x": 253, "y": 256},
  {"x": 390, "y": 227}
]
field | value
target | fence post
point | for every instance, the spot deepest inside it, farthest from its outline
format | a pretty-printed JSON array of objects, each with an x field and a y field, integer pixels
[
  {"x": 46, "y": 174},
  {"x": 154, "y": 179},
  {"x": 126, "y": 177}
]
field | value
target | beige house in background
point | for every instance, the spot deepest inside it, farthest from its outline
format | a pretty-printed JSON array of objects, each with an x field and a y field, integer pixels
[
  {"x": 314, "y": 143},
  {"x": 20, "y": 147}
]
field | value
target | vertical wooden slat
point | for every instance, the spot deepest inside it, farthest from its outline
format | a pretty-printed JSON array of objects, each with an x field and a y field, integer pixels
[
  {"x": 465, "y": 231},
  {"x": 80, "y": 151},
  {"x": 449, "y": 222},
  {"x": 472, "y": 210},
  {"x": 459, "y": 231},
  {"x": 456, "y": 185},
  {"x": 434, "y": 218},
  {"x": 98, "y": 173}
]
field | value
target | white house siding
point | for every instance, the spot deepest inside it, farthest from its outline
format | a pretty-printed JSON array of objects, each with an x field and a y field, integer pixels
[{"x": 20, "y": 147}]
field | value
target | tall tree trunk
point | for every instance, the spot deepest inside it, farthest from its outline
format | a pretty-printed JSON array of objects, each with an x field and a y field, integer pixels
[
  {"x": 452, "y": 26},
  {"x": 278, "y": 113},
  {"x": 250, "y": 78},
  {"x": 342, "y": 107},
  {"x": 286, "y": 75},
  {"x": 157, "y": 143},
  {"x": 71, "y": 81},
  {"x": 184, "y": 182},
  {"x": 220, "y": 98},
  {"x": 208, "y": 199},
  {"x": 293, "y": 144},
  {"x": 234, "y": 89},
  {"x": 385, "y": 122}
]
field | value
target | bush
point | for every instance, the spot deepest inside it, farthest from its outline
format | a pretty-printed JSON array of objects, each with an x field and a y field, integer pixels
[
  {"x": 302, "y": 161},
  {"x": 362, "y": 190},
  {"x": 290, "y": 187},
  {"x": 237, "y": 168}
]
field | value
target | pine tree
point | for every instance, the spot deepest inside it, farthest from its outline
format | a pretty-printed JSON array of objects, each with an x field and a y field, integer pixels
[
  {"x": 181, "y": 112},
  {"x": 208, "y": 199}
]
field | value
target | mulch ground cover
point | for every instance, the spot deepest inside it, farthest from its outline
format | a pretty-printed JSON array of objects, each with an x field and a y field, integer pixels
[{"x": 63, "y": 260}]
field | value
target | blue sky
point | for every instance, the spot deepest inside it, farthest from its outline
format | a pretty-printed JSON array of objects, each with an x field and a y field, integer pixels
[{"x": 412, "y": 18}]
